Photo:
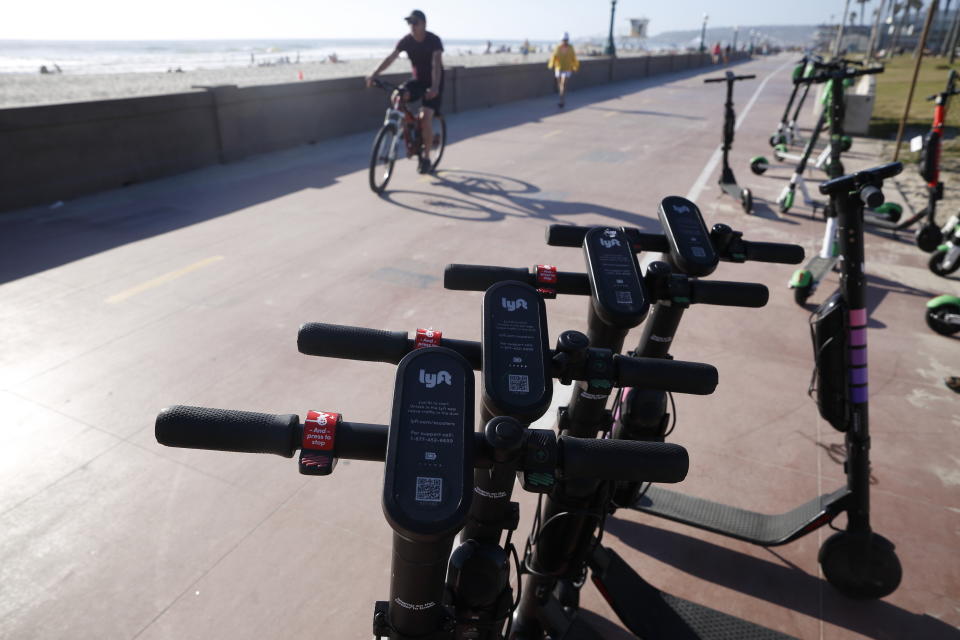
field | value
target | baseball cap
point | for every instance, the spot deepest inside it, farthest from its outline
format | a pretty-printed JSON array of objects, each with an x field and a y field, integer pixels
[{"x": 416, "y": 14}]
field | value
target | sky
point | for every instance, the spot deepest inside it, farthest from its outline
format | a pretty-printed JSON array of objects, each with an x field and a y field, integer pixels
[{"x": 451, "y": 19}]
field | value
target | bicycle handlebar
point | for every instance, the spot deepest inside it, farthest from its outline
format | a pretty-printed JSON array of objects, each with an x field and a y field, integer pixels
[
  {"x": 358, "y": 343},
  {"x": 249, "y": 432}
]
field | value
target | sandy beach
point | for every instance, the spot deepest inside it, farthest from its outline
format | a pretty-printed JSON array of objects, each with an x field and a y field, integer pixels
[{"x": 25, "y": 90}]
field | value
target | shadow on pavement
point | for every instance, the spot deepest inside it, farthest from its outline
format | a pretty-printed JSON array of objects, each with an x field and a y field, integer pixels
[
  {"x": 780, "y": 585},
  {"x": 490, "y": 197}
]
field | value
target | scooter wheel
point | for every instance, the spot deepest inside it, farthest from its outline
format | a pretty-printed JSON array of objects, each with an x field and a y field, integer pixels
[
  {"x": 759, "y": 165},
  {"x": 785, "y": 202},
  {"x": 802, "y": 294},
  {"x": 928, "y": 237},
  {"x": 746, "y": 200},
  {"x": 861, "y": 565},
  {"x": 936, "y": 264},
  {"x": 845, "y": 143},
  {"x": 776, "y": 139},
  {"x": 936, "y": 319}
]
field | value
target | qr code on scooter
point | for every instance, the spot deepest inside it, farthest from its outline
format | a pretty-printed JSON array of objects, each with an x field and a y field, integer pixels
[
  {"x": 624, "y": 297},
  {"x": 428, "y": 489},
  {"x": 518, "y": 383}
]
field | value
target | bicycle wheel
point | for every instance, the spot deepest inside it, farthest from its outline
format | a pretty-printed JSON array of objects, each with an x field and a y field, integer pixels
[
  {"x": 382, "y": 158},
  {"x": 439, "y": 140}
]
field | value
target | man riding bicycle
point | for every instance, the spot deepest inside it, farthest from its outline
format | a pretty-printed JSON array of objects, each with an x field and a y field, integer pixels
[{"x": 424, "y": 50}]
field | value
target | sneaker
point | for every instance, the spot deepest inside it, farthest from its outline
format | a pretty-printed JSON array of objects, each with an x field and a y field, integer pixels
[
  {"x": 425, "y": 165},
  {"x": 953, "y": 383}
]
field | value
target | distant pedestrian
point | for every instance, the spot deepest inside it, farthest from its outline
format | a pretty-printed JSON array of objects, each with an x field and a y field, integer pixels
[
  {"x": 564, "y": 63},
  {"x": 716, "y": 53},
  {"x": 726, "y": 54}
]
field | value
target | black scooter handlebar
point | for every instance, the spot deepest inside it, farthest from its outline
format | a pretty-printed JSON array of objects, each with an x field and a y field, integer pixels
[
  {"x": 248, "y": 432},
  {"x": 475, "y": 277}
]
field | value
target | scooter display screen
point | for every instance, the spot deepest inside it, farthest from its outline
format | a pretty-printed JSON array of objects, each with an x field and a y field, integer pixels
[
  {"x": 516, "y": 382},
  {"x": 690, "y": 248},
  {"x": 428, "y": 471},
  {"x": 618, "y": 294}
]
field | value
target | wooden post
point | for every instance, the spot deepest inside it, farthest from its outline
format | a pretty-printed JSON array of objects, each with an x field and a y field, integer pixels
[{"x": 916, "y": 72}]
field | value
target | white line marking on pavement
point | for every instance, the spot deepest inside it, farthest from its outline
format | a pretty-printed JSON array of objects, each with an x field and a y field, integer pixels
[
  {"x": 159, "y": 280},
  {"x": 714, "y": 160}
]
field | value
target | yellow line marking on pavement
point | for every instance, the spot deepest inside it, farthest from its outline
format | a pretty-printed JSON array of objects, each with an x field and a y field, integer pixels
[
  {"x": 610, "y": 114},
  {"x": 159, "y": 280},
  {"x": 555, "y": 132},
  {"x": 424, "y": 178}
]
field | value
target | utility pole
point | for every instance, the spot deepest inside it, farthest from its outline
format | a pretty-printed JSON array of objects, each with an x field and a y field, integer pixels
[
  {"x": 703, "y": 32},
  {"x": 916, "y": 72},
  {"x": 837, "y": 45},
  {"x": 611, "y": 49}
]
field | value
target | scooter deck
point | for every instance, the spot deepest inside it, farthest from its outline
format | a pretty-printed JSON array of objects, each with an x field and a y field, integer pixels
[
  {"x": 820, "y": 266},
  {"x": 654, "y": 615},
  {"x": 767, "y": 530}
]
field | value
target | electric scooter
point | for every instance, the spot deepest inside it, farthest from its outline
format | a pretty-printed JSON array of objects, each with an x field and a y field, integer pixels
[
  {"x": 786, "y": 133},
  {"x": 857, "y": 561},
  {"x": 943, "y": 315},
  {"x": 727, "y": 181},
  {"x": 946, "y": 258},
  {"x": 929, "y": 235}
]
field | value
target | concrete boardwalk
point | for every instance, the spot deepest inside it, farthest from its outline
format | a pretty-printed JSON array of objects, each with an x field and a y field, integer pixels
[{"x": 190, "y": 290}]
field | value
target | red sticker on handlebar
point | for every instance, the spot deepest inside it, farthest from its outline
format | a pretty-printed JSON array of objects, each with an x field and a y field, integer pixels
[
  {"x": 320, "y": 430},
  {"x": 427, "y": 338},
  {"x": 546, "y": 274}
]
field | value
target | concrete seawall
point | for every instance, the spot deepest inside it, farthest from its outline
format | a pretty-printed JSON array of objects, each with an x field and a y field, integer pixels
[{"x": 57, "y": 152}]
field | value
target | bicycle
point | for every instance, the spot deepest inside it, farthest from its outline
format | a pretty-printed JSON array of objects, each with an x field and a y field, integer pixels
[{"x": 400, "y": 123}]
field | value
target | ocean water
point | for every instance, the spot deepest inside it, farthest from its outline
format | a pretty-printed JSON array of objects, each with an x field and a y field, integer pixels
[{"x": 84, "y": 57}]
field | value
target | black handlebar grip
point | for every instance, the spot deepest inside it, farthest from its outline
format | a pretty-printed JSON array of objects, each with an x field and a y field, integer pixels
[
  {"x": 566, "y": 235},
  {"x": 715, "y": 80},
  {"x": 478, "y": 277},
  {"x": 226, "y": 430},
  {"x": 730, "y": 294},
  {"x": 352, "y": 343},
  {"x": 774, "y": 252},
  {"x": 666, "y": 375},
  {"x": 627, "y": 460},
  {"x": 747, "y": 77},
  {"x": 871, "y": 196}
]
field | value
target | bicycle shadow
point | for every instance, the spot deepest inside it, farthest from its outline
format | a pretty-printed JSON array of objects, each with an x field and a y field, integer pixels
[
  {"x": 784, "y": 586},
  {"x": 490, "y": 197}
]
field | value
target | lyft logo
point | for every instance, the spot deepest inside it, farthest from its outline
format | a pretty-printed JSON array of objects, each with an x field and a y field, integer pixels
[
  {"x": 609, "y": 243},
  {"x": 681, "y": 208},
  {"x": 433, "y": 379},
  {"x": 513, "y": 305}
]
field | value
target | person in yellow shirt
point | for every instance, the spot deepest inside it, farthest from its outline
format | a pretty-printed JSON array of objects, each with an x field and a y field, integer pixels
[{"x": 563, "y": 62}]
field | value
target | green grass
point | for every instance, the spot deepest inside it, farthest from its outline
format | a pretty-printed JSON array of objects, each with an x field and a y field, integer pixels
[{"x": 892, "y": 88}]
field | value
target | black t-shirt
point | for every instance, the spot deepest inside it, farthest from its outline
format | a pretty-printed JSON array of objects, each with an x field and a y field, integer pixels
[{"x": 421, "y": 54}]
